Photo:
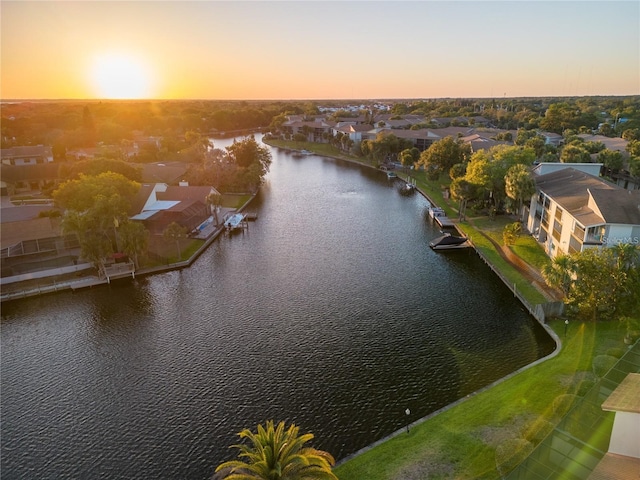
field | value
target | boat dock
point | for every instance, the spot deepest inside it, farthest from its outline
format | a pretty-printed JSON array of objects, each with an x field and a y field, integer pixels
[
  {"x": 440, "y": 217},
  {"x": 235, "y": 221}
]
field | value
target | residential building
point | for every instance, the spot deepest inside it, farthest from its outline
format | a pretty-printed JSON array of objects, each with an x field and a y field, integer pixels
[
  {"x": 29, "y": 155},
  {"x": 159, "y": 205},
  {"x": 572, "y": 211}
]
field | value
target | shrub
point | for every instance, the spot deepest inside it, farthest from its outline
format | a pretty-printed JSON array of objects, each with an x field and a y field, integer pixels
[{"x": 511, "y": 233}]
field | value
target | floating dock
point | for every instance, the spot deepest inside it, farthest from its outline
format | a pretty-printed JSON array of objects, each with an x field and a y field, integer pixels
[{"x": 440, "y": 217}]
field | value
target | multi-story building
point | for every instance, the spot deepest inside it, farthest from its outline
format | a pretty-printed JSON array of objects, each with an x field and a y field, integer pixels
[{"x": 572, "y": 211}]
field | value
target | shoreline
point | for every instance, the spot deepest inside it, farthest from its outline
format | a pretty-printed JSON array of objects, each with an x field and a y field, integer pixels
[
  {"x": 91, "y": 281},
  {"x": 531, "y": 310}
]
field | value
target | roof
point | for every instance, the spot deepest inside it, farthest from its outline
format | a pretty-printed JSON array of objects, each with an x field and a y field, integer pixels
[
  {"x": 615, "y": 206},
  {"x": 161, "y": 173},
  {"x": 612, "y": 143},
  {"x": 162, "y": 205},
  {"x": 21, "y": 173},
  {"x": 141, "y": 198},
  {"x": 22, "y": 212},
  {"x": 626, "y": 396},
  {"x": 543, "y": 168},
  {"x": 571, "y": 188},
  {"x": 185, "y": 193},
  {"x": 27, "y": 151}
]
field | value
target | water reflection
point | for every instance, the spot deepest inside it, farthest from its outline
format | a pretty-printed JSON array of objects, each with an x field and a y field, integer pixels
[{"x": 331, "y": 312}]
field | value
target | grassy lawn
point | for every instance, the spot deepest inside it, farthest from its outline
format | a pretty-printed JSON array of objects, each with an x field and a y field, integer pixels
[
  {"x": 230, "y": 200},
  {"x": 461, "y": 442},
  {"x": 319, "y": 148}
]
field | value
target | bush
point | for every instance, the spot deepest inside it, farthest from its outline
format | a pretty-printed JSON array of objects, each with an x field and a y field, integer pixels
[
  {"x": 602, "y": 364},
  {"x": 511, "y": 233},
  {"x": 511, "y": 453}
]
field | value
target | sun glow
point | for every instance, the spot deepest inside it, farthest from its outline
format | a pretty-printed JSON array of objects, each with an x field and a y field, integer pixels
[{"x": 120, "y": 76}]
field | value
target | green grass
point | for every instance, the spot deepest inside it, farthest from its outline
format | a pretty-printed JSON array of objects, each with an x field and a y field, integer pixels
[
  {"x": 461, "y": 442},
  {"x": 234, "y": 200},
  {"x": 528, "y": 249},
  {"x": 319, "y": 148}
]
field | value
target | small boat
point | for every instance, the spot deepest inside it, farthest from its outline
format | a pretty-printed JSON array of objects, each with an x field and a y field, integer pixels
[
  {"x": 234, "y": 221},
  {"x": 391, "y": 175},
  {"x": 449, "y": 242}
]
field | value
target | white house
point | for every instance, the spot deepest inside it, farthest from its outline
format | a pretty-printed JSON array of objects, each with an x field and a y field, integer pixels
[
  {"x": 623, "y": 457},
  {"x": 572, "y": 211}
]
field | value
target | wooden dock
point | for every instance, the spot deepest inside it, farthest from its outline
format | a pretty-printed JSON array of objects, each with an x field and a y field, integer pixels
[{"x": 444, "y": 222}]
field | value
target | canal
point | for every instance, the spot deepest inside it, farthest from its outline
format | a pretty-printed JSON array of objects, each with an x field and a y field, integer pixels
[{"x": 330, "y": 312}]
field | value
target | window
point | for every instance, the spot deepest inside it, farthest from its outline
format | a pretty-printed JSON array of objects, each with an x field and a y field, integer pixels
[
  {"x": 559, "y": 212},
  {"x": 557, "y": 230}
]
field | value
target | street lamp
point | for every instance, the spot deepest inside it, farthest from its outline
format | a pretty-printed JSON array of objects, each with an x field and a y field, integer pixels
[
  {"x": 566, "y": 324},
  {"x": 407, "y": 413}
]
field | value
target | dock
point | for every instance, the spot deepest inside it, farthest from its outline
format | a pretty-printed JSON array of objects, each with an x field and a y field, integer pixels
[
  {"x": 444, "y": 222},
  {"x": 235, "y": 221},
  {"x": 440, "y": 217}
]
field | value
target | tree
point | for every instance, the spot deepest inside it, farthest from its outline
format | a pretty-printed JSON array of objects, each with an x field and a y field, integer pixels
[
  {"x": 444, "y": 154},
  {"x": 519, "y": 184},
  {"x": 598, "y": 281},
  {"x": 558, "y": 272},
  {"x": 174, "y": 232},
  {"x": 134, "y": 239},
  {"x": 574, "y": 154},
  {"x": 511, "y": 232},
  {"x": 462, "y": 191},
  {"x": 247, "y": 153},
  {"x": 80, "y": 194},
  {"x": 97, "y": 166},
  {"x": 214, "y": 200},
  {"x": 95, "y": 206},
  {"x": 274, "y": 453},
  {"x": 612, "y": 159}
]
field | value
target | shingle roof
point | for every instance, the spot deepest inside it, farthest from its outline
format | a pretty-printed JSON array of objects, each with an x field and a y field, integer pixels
[
  {"x": 26, "y": 151},
  {"x": 571, "y": 189},
  {"x": 626, "y": 396},
  {"x": 618, "y": 207},
  {"x": 185, "y": 193}
]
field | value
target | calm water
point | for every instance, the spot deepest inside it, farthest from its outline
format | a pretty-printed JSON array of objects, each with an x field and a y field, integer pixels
[{"x": 330, "y": 312}]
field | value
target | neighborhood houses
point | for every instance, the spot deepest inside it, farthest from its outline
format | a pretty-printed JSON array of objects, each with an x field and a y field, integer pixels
[{"x": 583, "y": 204}]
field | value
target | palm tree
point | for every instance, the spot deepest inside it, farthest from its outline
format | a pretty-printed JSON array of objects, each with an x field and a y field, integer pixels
[
  {"x": 559, "y": 272},
  {"x": 276, "y": 454}
]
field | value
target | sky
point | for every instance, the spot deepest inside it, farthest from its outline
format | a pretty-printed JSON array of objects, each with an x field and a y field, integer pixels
[{"x": 318, "y": 49}]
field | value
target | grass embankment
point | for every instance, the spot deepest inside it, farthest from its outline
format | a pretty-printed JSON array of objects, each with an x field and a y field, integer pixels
[
  {"x": 479, "y": 228},
  {"x": 461, "y": 442}
]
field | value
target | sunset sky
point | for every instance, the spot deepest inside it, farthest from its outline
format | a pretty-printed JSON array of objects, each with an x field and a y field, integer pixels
[{"x": 318, "y": 50}]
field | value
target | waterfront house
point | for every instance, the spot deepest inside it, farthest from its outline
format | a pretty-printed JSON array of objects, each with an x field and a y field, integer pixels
[
  {"x": 25, "y": 177},
  {"x": 31, "y": 245},
  {"x": 159, "y": 205},
  {"x": 572, "y": 211},
  {"x": 29, "y": 155}
]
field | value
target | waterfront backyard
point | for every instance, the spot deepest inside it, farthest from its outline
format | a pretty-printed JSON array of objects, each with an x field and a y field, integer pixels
[{"x": 498, "y": 427}]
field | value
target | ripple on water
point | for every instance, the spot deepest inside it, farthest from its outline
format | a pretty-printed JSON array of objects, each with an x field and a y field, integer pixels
[{"x": 329, "y": 312}]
